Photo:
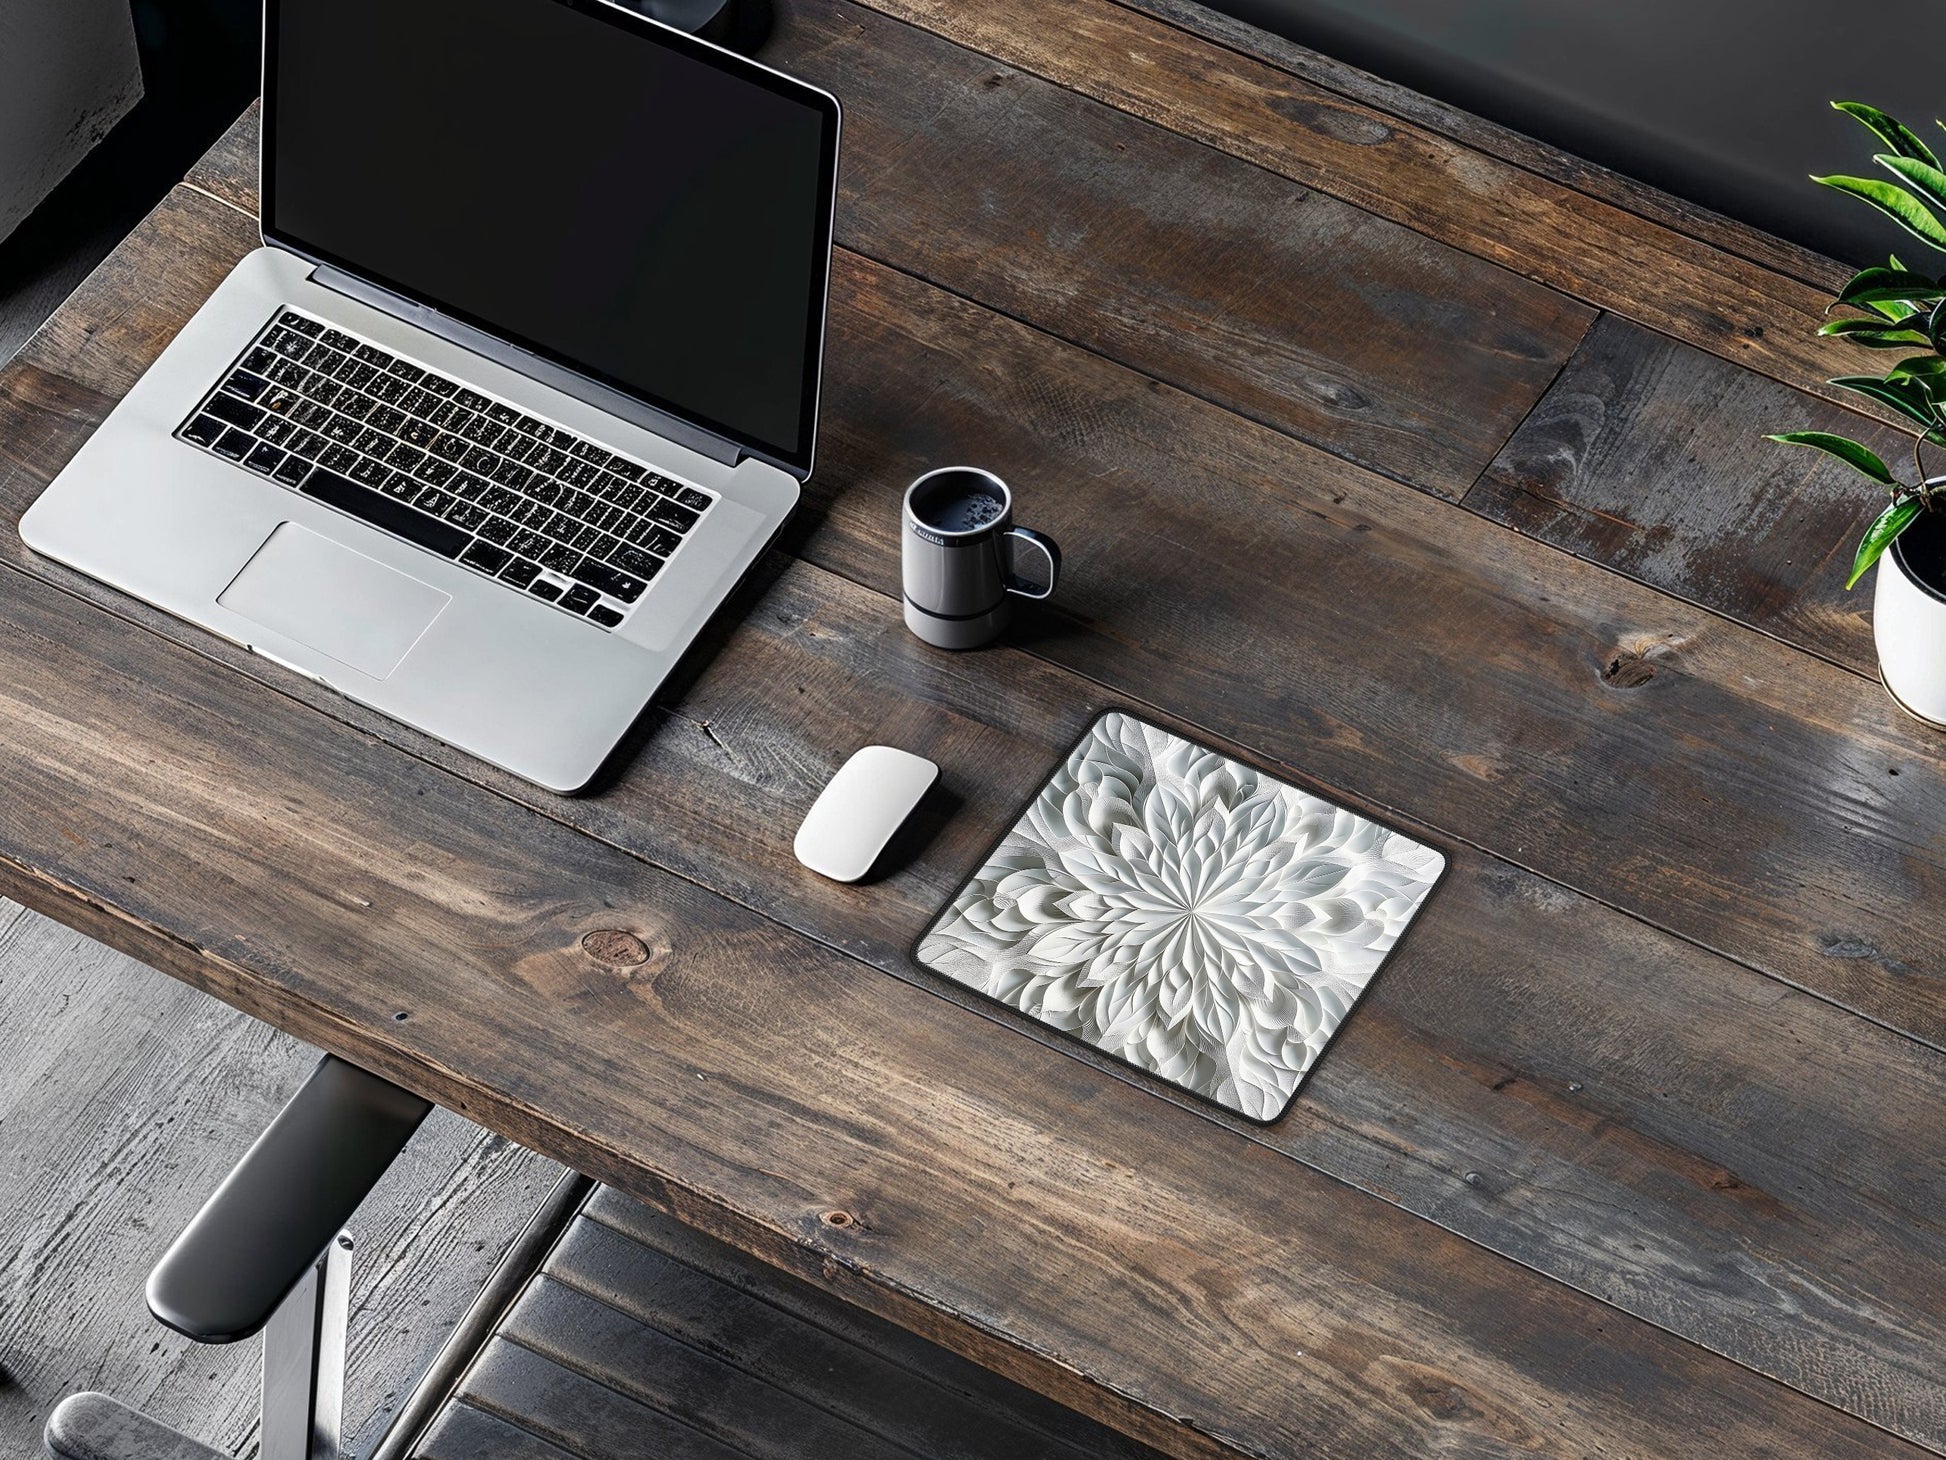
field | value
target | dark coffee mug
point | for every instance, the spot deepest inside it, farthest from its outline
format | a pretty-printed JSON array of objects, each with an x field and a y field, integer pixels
[{"x": 960, "y": 553}]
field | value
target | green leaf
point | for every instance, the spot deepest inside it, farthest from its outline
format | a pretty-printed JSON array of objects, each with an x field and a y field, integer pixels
[
  {"x": 1876, "y": 334},
  {"x": 1924, "y": 179},
  {"x": 1889, "y": 130},
  {"x": 1923, "y": 368},
  {"x": 1857, "y": 457},
  {"x": 1895, "y": 202},
  {"x": 1903, "y": 396},
  {"x": 1936, "y": 325},
  {"x": 1889, "y": 286},
  {"x": 1879, "y": 536}
]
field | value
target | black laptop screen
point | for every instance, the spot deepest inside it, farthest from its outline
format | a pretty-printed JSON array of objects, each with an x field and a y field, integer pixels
[{"x": 615, "y": 197}]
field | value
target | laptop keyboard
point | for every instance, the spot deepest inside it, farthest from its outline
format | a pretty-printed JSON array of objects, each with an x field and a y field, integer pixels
[{"x": 471, "y": 478}]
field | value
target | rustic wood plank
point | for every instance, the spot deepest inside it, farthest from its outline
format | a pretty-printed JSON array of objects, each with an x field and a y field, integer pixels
[
  {"x": 581, "y": 1415},
  {"x": 1184, "y": 262},
  {"x": 124, "y": 1098},
  {"x": 758, "y": 1085},
  {"x": 798, "y": 1338},
  {"x": 820, "y": 667},
  {"x": 1646, "y": 457},
  {"x": 465, "y": 1433},
  {"x": 1586, "y": 247},
  {"x": 1477, "y": 134},
  {"x": 1529, "y": 656}
]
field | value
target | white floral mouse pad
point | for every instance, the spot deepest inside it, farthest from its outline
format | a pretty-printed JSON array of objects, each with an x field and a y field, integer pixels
[{"x": 1176, "y": 909}]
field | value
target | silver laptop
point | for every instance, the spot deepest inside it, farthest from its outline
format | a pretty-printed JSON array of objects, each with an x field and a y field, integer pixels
[{"x": 521, "y": 383}]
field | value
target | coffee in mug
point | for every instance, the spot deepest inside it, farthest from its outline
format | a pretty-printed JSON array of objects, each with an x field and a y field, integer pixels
[{"x": 961, "y": 556}]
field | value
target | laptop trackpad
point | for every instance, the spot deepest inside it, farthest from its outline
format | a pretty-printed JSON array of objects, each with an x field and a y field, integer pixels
[{"x": 322, "y": 595}]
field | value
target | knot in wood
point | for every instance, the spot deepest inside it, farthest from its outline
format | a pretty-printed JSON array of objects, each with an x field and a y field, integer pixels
[{"x": 613, "y": 946}]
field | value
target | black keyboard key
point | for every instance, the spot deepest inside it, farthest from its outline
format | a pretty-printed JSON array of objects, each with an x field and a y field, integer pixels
[
  {"x": 310, "y": 413},
  {"x": 520, "y": 572},
  {"x": 259, "y": 360},
  {"x": 694, "y": 500},
  {"x": 229, "y": 409},
  {"x": 486, "y": 557},
  {"x": 339, "y": 340},
  {"x": 670, "y": 514},
  {"x": 498, "y": 529},
  {"x": 627, "y": 470},
  {"x": 434, "y": 472},
  {"x": 432, "y": 500},
  {"x": 292, "y": 472},
  {"x": 234, "y": 444},
  {"x": 265, "y": 459},
  {"x": 381, "y": 511},
  {"x": 405, "y": 457},
  {"x": 544, "y": 589},
  {"x": 309, "y": 328},
  {"x": 372, "y": 473},
  {"x": 287, "y": 342},
  {"x": 546, "y": 459},
  {"x": 588, "y": 451},
  {"x": 419, "y": 433},
  {"x": 338, "y": 429},
  {"x": 602, "y": 614},
  {"x": 469, "y": 487},
  {"x": 323, "y": 391},
  {"x": 577, "y": 504},
  {"x": 439, "y": 385},
  {"x": 387, "y": 388},
  {"x": 499, "y": 499},
  {"x": 658, "y": 540},
  {"x": 578, "y": 599},
  {"x": 338, "y": 458},
  {"x": 281, "y": 400},
  {"x": 585, "y": 536},
  {"x": 472, "y": 400},
  {"x": 372, "y": 355},
  {"x": 323, "y": 357},
  {"x": 448, "y": 447},
  {"x": 287, "y": 372},
  {"x": 604, "y": 579},
  {"x": 245, "y": 384},
  {"x": 470, "y": 515},
  {"x": 530, "y": 544},
  {"x": 506, "y": 415},
  {"x": 449, "y": 415},
  {"x": 513, "y": 474},
  {"x": 563, "y": 560},
  {"x": 479, "y": 459},
  {"x": 277, "y": 431},
  {"x": 372, "y": 443},
  {"x": 634, "y": 561},
  {"x": 402, "y": 488},
  {"x": 580, "y": 474},
  {"x": 356, "y": 404},
  {"x": 630, "y": 495},
  {"x": 386, "y": 419},
  {"x": 309, "y": 445},
  {"x": 203, "y": 430},
  {"x": 409, "y": 373}
]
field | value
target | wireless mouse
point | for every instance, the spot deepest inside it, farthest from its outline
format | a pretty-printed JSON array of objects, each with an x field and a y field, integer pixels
[{"x": 859, "y": 810}]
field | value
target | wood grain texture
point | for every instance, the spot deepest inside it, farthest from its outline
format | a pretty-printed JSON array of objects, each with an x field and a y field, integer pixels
[
  {"x": 1476, "y": 134},
  {"x": 1186, "y": 263},
  {"x": 124, "y": 1098},
  {"x": 1449, "y": 1111},
  {"x": 1587, "y": 247},
  {"x": 757, "y": 1084},
  {"x": 1647, "y": 457}
]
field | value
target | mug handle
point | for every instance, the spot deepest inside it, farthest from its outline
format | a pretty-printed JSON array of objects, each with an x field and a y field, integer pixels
[{"x": 1049, "y": 549}]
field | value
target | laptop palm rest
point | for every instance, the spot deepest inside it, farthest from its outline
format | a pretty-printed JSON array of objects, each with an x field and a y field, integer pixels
[{"x": 328, "y": 598}]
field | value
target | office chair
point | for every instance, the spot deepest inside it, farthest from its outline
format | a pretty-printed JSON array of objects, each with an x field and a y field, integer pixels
[{"x": 268, "y": 1253}]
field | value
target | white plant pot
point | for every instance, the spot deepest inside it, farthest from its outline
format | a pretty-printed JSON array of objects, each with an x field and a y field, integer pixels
[{"x": 1909, "y": 619}]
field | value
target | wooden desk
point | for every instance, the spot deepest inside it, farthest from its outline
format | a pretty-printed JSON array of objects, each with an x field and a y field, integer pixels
[{"x": 1398, "y": 454}]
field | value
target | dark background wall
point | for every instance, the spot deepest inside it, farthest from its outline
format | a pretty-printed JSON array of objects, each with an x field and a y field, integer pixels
[{"x": 1723, "y": 102}]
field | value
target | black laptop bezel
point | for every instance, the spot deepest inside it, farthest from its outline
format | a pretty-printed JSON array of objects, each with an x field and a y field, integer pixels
[{"x": 799, "y": 458}]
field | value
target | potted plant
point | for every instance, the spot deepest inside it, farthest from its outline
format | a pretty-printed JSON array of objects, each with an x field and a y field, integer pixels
[{"x": 1901, "y": 309}]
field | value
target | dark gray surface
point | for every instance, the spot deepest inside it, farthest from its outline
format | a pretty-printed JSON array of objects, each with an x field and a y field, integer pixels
[
  {"x": 640, "y": 1338},
  {"x": 1724, "y": 102},
  {"x": 96, "y": 1427}
]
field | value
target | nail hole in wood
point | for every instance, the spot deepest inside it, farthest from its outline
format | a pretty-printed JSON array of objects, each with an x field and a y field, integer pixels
[{"x": 838, "y": 1219}]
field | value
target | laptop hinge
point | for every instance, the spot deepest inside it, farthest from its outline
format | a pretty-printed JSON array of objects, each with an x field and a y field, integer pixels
[{"x": 568, "y": 382}]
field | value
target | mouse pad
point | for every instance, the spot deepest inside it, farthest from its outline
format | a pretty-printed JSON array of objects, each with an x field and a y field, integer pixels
[{"x": 1185, "y": 913}]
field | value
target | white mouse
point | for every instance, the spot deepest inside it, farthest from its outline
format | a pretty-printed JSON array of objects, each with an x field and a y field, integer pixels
[{"x": 857, "y": 813}]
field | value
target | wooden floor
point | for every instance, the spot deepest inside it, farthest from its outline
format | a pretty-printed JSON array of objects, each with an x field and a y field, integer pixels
[
  {"x": 639, "y": 1339},
  {"x": 124, "y": 1097}
]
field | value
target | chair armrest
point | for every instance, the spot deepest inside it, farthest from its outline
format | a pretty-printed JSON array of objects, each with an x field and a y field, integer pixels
[{"x": 268, "y": 1223}]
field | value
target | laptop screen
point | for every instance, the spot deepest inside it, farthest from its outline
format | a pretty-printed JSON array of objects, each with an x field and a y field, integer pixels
[{"x": 616, "y": 197}]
